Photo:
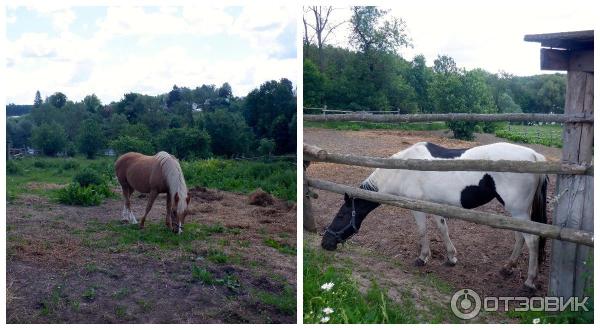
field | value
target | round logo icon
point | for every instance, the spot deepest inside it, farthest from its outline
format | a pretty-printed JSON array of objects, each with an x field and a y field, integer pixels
[{"x": 465, "y": 304}]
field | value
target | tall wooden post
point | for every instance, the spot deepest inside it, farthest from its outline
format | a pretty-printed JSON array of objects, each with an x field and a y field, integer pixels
[
  {"x": 308, "y": 217},
  {"x": 570, "y": 269}
]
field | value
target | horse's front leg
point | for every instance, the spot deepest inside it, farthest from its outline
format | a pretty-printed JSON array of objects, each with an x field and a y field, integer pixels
[
  {"x": 151, "y": 198},
  {"x": 507, "y": 270},
  {"x": 421, "y": 220},
  {"x": 450, "y": 249}
]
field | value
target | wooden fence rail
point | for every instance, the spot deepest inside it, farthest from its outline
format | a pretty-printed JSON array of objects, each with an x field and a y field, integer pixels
[
  {"x": 479, "y": 217},
  {"x": 314, "y": 153},
  {"x": 532, "y": 117}
]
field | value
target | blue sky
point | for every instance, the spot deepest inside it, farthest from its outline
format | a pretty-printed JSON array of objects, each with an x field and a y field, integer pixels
[{"x": 113, "y": 50}]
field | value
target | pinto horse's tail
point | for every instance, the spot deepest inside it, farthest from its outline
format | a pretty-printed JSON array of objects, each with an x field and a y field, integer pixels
[{"x": 538, "y": 211}]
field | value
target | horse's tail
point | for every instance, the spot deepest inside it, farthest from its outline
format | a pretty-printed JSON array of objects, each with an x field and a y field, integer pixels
[{"x": 538, "y": 211}]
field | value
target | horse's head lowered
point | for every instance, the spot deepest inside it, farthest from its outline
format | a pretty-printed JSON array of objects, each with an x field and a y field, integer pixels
[
  {"x": 179, "y": 210},
  {"x": 347, "y": 221}
]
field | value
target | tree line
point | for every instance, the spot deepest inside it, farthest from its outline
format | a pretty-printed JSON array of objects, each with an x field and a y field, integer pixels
[
  {"x": 189, "y": 123},
  {"x": 371, "y": 74}
]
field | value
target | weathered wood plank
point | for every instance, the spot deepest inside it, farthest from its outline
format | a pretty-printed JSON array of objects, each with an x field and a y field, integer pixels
[
  {"x": 314, "y": 153},
  {"x": 582, "y": 61},
  {"x": 532, "y": 117},
  {"x": 554, "y": 59},
  {"x": 573, "y": 192},
  {"x": 479, "y": 217}
]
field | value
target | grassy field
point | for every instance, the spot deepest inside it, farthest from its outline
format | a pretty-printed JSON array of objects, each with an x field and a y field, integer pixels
[
  {"x": 277, "y": 178},
  {"x": 548, "y": 135}
]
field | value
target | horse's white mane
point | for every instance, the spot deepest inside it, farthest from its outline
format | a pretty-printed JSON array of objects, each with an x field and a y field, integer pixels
[{"x": 173, "y": 174}]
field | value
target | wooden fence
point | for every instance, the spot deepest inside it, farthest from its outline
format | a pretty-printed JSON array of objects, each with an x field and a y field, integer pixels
[{"x": 578, "y": 124}]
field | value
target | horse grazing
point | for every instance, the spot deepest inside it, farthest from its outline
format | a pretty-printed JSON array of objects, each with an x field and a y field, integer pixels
[
  {"x": 522, "y": 195},
  {"x": 154, "y": 175}
]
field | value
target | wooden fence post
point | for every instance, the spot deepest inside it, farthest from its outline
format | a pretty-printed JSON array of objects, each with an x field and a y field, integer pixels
[
  {"x": 308, "y": 217},
  {"x": 570, "y": 271}
]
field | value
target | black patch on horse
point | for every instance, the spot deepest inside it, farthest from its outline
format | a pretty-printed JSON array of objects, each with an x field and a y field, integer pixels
[
  {"x": 473, "y": 196},
  {"x": 441, "y": 152},
  {"x": 367, "y": 185}
]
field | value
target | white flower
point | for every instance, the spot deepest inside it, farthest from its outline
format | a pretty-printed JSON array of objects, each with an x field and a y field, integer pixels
[
  {"x": 327, "y": 310},
  {"x": 327, "y": 286},
  {"x": 325, "y": 319},
  {"x": 536, "y": 320}
]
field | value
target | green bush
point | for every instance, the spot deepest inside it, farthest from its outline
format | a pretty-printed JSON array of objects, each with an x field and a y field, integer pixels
[
  {"x": 185, "y": 143},
  {"x": 74, "y": 194},
  {"x": 70, "y": 164},
  {"x": 49, "y": 138},
  {"x": 88, "y": 176},
  {"x": 462, "y": 130},
  {"x": 90, "y": 139},
  {"x": 12, "y": 168},
  {"x": 125, "y": 144},
  {"x": 41, "y": 164}
]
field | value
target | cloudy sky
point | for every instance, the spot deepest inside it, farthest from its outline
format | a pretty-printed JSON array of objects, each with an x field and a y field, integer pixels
[
  {"x": 483, "y": 34},
  {"x": 113, "y": 50}
]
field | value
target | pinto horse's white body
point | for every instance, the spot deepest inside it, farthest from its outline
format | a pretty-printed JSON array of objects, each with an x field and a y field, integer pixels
[{"x": 515, "y": 190}]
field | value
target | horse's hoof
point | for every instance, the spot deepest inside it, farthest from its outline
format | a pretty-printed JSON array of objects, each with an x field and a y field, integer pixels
[
  {"x": 506, "y": 272},
  {"x": 450, "y": 263},
  {"x": 529, "y": 287},
  {"x": 420, "y": 262}
]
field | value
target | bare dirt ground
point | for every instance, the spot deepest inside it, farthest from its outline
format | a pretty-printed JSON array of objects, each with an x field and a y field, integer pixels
[
  {"x": 82, "y": 265},
  {"x": 392, "y": 233}
]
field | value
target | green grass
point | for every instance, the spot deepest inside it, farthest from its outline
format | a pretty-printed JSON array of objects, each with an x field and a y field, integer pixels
[
  {"x": 49, "y": 170},
  {"x": 281, "y": 247},
  {"x": 357, "y": 126},
  {"x": 277, "y": 178},
  {"x": 548, "y": 135},
  {"x": 349, "y": 304},
  {"x": 203, "y": 275},
  {"x": 284, "y": 301}
]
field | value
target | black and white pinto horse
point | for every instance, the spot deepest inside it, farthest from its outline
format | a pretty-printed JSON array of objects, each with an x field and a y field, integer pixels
[{"x": 523, "y": 196}]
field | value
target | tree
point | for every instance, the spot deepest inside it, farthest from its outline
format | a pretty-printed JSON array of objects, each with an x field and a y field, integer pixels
[
  {"x": 269, "y": 109},
  {"x": 185, "y": 143},
  {"x": 229, "y": 133},
  {"x": 50, "y": 139},
  {"x": 369, "y": 33},
  {"x": 225, "y": 91},
  {"x": 507, "y": 105},
  {"x": 314, "y": 83},
  {"x": 266, "y": 147},
  {"x": 58, "y": 100},
  {"x": 38, "y": 99},
  {"x": 174, "y": 96},
  {"x": 124, "y": 144},
  {"x": 92, "y": 103},
  {"x": 420, "y": 77},
  {"x": 90, "y": 139},
  {"x": 321, "y": 27}
]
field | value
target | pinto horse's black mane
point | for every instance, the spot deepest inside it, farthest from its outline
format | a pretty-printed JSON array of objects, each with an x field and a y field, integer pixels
[{"x": 441, "y": 152}]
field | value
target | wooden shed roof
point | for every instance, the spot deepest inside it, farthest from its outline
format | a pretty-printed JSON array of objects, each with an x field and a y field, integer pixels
[{"x": 575, "y": 40}]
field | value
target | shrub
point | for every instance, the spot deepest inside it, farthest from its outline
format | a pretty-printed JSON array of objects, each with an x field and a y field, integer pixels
[
  {"x": 70, "y": 165},
  {"x": 185, "y": 143},
  {"x": 74, "y": 194},
  {"x": 462, "y": 129},
  {"x": 49, "y": 138},
  {"x": 125, "y": 144},
  {"x": 41, "y": 164},
  {"x": 70, "y": 149},
  {"x": 12, "y": 168},
  {"x": 88, "y": 176}
]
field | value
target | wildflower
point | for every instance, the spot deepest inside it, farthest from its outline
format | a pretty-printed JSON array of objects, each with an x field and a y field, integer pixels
[
  {"x": 327, "y": 310},
  {"x": 536, "y": 320},
  {"x": 325, "y": 319},
  {"x": 327, "y": 286}
]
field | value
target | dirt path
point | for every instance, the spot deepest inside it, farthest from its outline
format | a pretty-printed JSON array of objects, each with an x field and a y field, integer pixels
[
  {"x": 232, "y": 264},
  {"x": 391, "y": 231}
]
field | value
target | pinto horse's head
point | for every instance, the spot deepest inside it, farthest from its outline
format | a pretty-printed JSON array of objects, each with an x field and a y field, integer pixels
[
  {"x": 179, "y": 210},
  {"x": 347, "y": 221}
]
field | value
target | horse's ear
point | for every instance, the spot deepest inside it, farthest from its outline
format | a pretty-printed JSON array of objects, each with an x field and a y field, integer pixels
[
  {"x": 176, "y": 197},
  {"x": 346, "y": 199}
]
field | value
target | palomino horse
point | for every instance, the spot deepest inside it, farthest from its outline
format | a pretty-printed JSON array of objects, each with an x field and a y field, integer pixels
[
  {"x": 523, "y": 196},
  {"x": 154, "y": 175}
]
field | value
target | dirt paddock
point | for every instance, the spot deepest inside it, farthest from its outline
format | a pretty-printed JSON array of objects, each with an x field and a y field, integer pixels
[
  {"x": 69, "y": 264},
  {"x": 392, "y": 232}
]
